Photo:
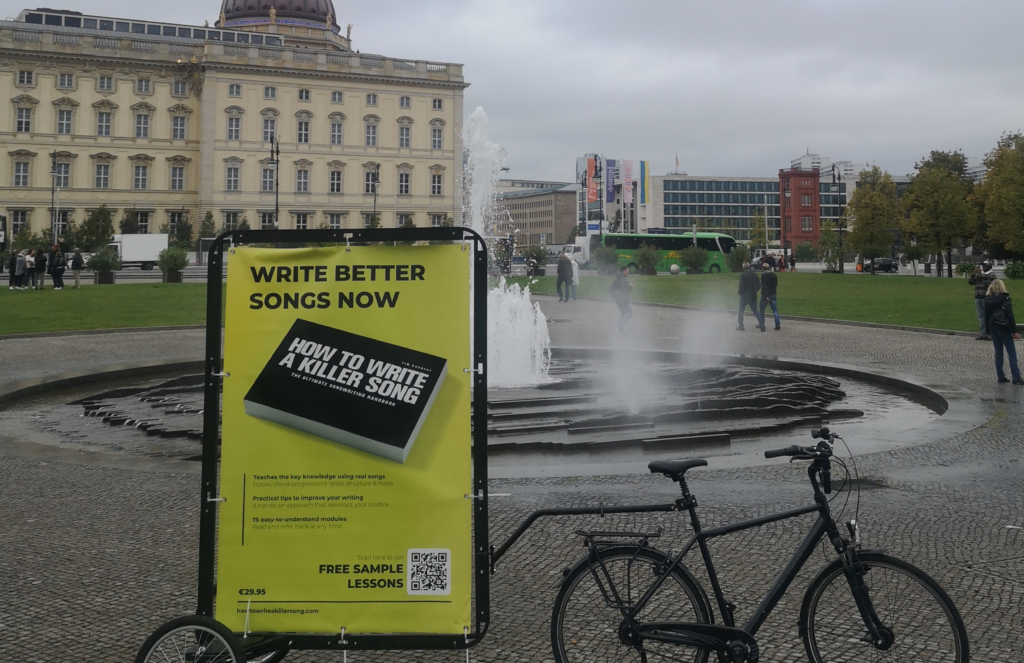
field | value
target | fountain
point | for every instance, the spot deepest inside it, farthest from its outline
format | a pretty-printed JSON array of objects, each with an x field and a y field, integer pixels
[{"x": 518, "y": 348}]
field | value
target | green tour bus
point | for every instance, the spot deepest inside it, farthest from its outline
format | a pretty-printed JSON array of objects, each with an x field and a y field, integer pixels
[{"x": 669, "y": 246}]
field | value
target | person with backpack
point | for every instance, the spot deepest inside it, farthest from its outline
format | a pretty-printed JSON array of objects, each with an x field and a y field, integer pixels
[
  {"x": 620, "y": 293},
  {"x": 564, "y": 271},
  {"x": 1002, "y": 327}
]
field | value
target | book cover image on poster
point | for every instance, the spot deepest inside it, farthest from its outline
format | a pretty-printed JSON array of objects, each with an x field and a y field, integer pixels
[{"x": 350, "y": 389}]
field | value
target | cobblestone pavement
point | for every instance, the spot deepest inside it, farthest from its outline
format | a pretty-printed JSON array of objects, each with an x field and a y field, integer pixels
[{"x": 93, "y": 558}]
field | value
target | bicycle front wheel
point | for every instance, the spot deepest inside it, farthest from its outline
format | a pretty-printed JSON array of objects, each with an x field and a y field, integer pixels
[
  {"x": 585, "y": 622},
  {"x": 924, "y": 622}
]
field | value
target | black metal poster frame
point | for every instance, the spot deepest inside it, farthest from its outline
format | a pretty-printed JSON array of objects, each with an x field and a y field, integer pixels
[{"x": 211, "y": 433}]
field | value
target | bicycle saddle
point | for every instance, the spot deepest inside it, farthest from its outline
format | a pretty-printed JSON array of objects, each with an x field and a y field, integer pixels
[{"x": 675, "y": 468}]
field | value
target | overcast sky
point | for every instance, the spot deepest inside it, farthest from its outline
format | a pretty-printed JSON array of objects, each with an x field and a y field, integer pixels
[{"x": 735, "y": 87}]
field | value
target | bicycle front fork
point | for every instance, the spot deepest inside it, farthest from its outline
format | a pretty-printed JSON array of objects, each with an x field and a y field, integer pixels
[{"x": 881, "y": 636}]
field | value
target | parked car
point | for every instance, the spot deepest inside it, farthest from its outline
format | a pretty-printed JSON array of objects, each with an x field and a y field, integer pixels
[{"x": 885, "y": 265}]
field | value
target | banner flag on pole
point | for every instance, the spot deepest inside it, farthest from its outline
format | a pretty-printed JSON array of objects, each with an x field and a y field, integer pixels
[
  {"x": 645, "y": 177},
  {"x": 592, "y": 194},
  {"x": 627, "y": 181},
  {"x": 610, "y": 173}
]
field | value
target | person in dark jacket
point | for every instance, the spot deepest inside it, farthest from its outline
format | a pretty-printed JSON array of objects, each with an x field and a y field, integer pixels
[
  {"x": 749, "y": 285},
  {"x": 769, "y": 291},
  {"x": 77, "y": 265},
  {"x": 620, "y": 293},
  {"x": 1002, "y": 327},
  {"x": 564, "y": 277},
  {"x": 981, "y": 279},
  {"x": 57, "y": 267},
  {"x": 12, "y": 266},
  {"x": 40, "y": 271}
]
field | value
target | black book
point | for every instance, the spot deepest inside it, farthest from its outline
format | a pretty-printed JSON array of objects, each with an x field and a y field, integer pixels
[{"x": 350, "y": 389}]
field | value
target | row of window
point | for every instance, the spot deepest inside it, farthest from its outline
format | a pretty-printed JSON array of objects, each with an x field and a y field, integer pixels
[
  {"x": 335, "y": 220},
  {"x": 720, "y": 210},
  {"x": 26, "y": 78},
  {"x": 104, "y": 121},
  {"x": 702, "y": 185},
  {"x": 806, "y": 224},
  {"x": 232, "y": 220},
  {"x": 268, "y": 179},
  {"x": 337, "y": 130},
  {"x": 337, "y": 97},
  {"x": 728, "y": 198}
]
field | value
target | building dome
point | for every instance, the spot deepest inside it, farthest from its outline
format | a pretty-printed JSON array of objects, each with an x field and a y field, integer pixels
[{"x": 242, "y": 13}]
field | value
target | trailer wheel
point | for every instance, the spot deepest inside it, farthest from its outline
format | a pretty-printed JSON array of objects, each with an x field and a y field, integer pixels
[{"x": 147, "y": 266}]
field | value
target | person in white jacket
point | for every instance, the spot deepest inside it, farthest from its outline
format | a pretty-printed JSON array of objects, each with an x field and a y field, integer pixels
[{"x": 575, "y": 278}]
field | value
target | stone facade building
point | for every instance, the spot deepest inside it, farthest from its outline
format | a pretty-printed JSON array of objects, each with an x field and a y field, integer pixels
[
  {"x": 537, "y": 216},
  {"x": 173, "y": 121}
]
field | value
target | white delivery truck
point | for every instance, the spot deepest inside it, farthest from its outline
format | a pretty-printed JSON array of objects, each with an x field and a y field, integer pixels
[{"x": 141, "y": 250}]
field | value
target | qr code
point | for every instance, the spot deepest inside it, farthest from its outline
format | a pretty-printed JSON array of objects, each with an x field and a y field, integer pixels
[{"x": 429, "y": 572}]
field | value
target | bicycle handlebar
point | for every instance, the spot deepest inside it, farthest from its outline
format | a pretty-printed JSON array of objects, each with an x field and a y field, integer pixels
[{"x": 792, "y": 450}]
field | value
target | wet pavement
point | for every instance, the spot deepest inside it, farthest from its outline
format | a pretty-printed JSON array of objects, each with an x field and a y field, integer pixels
[{"x": 96, "y": 550}]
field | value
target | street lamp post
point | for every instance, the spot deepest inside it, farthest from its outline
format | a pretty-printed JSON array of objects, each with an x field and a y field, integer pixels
[
  {"x": 376, "y": 185},
  {"x": 275, "y": 163},
  {"x": 784, "y": 215},
  {"x": 54, "y": 189},
  {"x": 837, "y": 178}
]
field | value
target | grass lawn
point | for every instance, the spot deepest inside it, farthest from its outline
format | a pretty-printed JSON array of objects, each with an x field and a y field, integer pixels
[
  {"x": 101, "y": 307},
  {"x": 937, "y": 303},
  {"x": 915, "y": 302}
]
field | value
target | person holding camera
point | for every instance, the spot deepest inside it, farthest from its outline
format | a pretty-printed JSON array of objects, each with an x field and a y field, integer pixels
[{"x": 981, "y": 279}]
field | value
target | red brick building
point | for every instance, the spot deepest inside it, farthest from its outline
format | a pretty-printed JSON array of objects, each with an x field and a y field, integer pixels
[{"x": 800, "y": 207}]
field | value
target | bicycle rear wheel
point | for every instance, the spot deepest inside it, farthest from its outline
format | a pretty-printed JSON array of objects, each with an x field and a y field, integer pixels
[
  {"x": 925, "y": 623},
  {"x": 585, "y": 624}
]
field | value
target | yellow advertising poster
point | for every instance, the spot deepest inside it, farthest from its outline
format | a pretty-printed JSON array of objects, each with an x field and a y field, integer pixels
[{"x": 345, "y": 454}]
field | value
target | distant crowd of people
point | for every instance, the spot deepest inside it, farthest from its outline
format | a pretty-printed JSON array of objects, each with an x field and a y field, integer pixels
[
  {"x": 778, "y": 262},
  {"x": 27, "y": 269}
]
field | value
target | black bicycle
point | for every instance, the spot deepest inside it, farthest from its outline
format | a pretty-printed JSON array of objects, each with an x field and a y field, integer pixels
[{"x": 628, "y": 601}]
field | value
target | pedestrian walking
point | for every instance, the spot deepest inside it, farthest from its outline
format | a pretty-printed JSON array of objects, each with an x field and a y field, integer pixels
[
  {"x": 77, "y": 264},
  {"x": 769, "y": 290},
  {"x": 564, "y": 270},
  {"x": 57, "y": 268},
  {"x": 749, "y": 285},
  {"x": 792, "y": 263},
  {"x": 981, "y": 279},
  {"x": 620, "y": 293},
  {"x": 12, "y": 267},
  {"x": 1002, "y": 327},
  {"x": 575, "y": 277},
  {"x": 21, "y": 271}
]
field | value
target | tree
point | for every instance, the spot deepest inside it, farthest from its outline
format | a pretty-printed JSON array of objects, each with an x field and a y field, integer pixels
[
  {"x": 872, "y": 212},
  {"x": 182, "y": 235},
  {"x": 615, "y": 225},
  {"x": 829, "y": 246},
  {"x": 207, "y": 228},
  {"x": 1002, "y": 195},
  {"x": 757, "y": 231},
  {"x": 694, "y": 258},
  {"x": 806, "y": 252},
  {"x": 739, "y": 255},
  {"x": 95, "y": 232},
  {"x": 939, "y": 216},
  {"x": 647, "y": 258},
  {"x": 129, "y": 223}
]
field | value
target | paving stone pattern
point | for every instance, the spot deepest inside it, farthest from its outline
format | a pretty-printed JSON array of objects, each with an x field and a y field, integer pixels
[{"x": 92, "y": 559}]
